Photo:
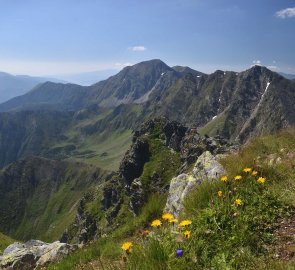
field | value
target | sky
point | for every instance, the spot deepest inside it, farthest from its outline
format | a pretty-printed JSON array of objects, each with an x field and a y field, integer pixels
[{"x": 62, "y": 37}]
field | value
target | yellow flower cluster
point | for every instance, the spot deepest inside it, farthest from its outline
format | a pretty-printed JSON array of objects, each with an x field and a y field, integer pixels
[
  {"x": 156, "y": 223},
  {"x": 185, "y": 223},
  {"x": 167, "y": 216},
  {"x": 254, "y": 173},
  {"x": 127, "y": 246},
  {"x": 187, "y": 234},
  {"x": 223, "y": 178},
  {"x": 238, "y": 202},
  {"x": 238, "y": 177},
  {"x": 261, "y": 180},
  {"x": 247, "y": 170}
]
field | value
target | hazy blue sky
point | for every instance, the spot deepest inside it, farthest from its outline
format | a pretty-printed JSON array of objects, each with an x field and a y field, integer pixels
[{"x": 41, "y": 37}]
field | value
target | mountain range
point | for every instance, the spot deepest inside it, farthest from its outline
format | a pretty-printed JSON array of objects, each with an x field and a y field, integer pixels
[
  {"x": 235, "y": 105},
  {"x": 61, "y": 144}
]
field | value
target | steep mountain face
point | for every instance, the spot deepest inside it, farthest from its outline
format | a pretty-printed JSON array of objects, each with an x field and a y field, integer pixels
[
  {"x": 235, "y": 105},
  {"x": 12, "y": 86},
  {"x": 130, "y": 84},
  {"x": 39, "y": 197}
]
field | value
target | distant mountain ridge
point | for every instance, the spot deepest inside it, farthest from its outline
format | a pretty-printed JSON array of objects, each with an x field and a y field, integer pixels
[
  {"x": 16, "y": 85},
  {"x": 288, "y": 76},
  {"x": 130, "y": 84}
]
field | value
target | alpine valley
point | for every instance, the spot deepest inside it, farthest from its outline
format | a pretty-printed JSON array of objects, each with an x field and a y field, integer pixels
[{"x": 94, "y": 165}]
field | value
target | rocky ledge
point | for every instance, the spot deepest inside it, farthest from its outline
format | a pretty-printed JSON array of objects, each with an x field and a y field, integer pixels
[{"x": 33, "y": 254}]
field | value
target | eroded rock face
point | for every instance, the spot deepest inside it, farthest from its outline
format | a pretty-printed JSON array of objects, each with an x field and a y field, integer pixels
[
  {"x": 207, "y": 167},
  {"x": 174, "y": 132},
  {"x": 132, "y": 164},
  {"x": 137, "y": 195},
  {"x": 34, "y": 254}
]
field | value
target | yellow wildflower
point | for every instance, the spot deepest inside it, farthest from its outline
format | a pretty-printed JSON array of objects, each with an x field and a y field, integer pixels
[
  {"x": 156, "y": 223},
  {"x": 219, "y": 193},
  {"x": 187, "y": 234},
  {"x": 167, "y": 216},
  {"x": 238, "y": 202},
  {"x": 184, "y": 223},
  {"x": 254, "y": 173},
  {"x": 261, "y": 180},
  {"x": 247, "y": 170},
  {"x": 127, "y": 246},
  {"x": 223, "y": 178},
  {"x": 173, "y": 220},
  {"x": 238, "y": 177}
]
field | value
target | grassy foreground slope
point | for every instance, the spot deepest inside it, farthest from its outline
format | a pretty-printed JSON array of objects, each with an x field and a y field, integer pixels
[
  {"x": 236, "y": 224},
  {"x": 4, "y": 241}
]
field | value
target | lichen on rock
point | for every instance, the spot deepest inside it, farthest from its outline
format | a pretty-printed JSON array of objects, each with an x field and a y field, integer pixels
[
  {"x": 33, "y": 254},
  {"x": 206, "y": 167}
]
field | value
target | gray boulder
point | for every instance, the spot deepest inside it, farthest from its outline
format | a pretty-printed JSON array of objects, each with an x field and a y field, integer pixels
[
  {"x": 206, "y": 167},
  {"x": 34, "y": 254}
]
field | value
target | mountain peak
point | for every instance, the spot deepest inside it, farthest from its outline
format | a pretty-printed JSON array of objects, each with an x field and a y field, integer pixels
[
  {"x": 149, "y": 63},
  {"x": 154, "y": 67},
  {"x": 259, "y": 68}
]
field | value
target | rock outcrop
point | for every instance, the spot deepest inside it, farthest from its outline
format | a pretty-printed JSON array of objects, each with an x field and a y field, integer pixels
[
  {"x": 34, "y": 254},
  {"x": 132, "y": 164},
  {"x": 207, "y": 167}
]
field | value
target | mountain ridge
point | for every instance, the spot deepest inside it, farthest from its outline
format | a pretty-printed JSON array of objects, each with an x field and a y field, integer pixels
[
  {"x": 233, "y": 104},
  {"x": 16, "y": 85}
]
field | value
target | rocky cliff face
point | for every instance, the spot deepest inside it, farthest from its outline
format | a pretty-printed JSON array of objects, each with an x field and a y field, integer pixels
[{"x": 161, "y": 150}]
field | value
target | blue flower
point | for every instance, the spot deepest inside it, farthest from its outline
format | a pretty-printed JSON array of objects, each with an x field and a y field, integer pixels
[{"x": 179, "y": 253}]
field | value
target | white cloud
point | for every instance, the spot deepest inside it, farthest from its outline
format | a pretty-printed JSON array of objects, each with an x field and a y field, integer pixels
[
  {"x": 272, "y": 67},
  {"x": 138, "y": 48},
  {"x": 286, "y": 13},
  {"x": 256, "y": 62}
]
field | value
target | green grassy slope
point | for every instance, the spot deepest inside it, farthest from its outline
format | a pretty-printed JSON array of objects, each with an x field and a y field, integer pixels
[
  {"x": 5, "y": 241},
  {"x": 94, "y": 135},
  {"x": 40, "y": 197},
  {"x": 223, "y": 234}
]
